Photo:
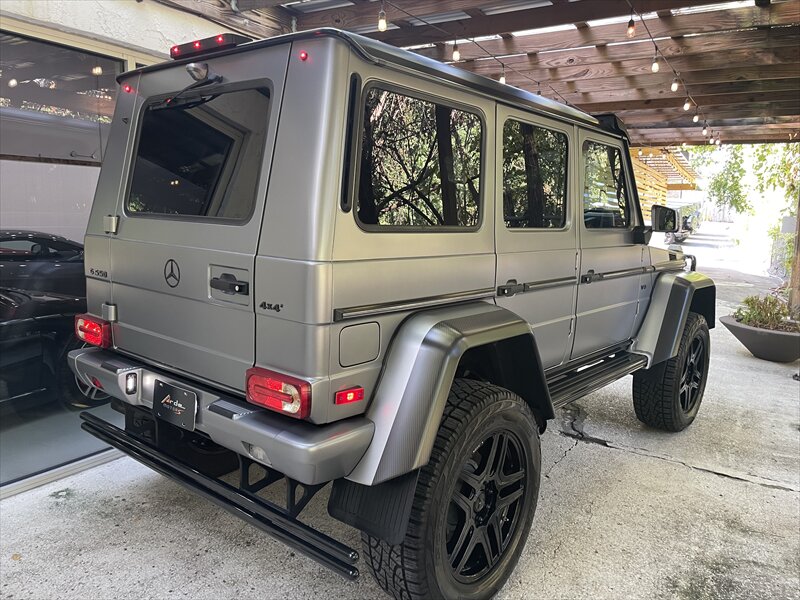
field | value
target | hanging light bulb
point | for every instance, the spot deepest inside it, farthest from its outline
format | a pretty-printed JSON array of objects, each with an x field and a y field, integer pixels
[
  {"x": 674, "y": 86},
  {"x": 711, "y": 139},
  {"x": 683, "y": 144},
  {"x": 631, "y": 28},
  {"x": 718, "y": 141},
  {"x": 655, "y": 66},
  {"x": 97, "y": 71},
  {"x": 12, "y": 83},
  {"x": 696, "y": 116},
  {"x": 382, "y": 19},
  {"x": 705, "y": 128},
  {"x": 640, "y": 152},
  {"x": 456, "y": 53},
  {"x": 503, "y": 76},
  {"x": 687, "y": 104}
]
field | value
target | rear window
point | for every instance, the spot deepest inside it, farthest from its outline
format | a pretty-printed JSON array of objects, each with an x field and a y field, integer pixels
[
  {"x": 201, "y": 156},
  {"x": 420, "y": 164}
]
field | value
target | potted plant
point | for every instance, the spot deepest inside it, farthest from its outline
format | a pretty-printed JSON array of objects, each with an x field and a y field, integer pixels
[{"x": 765, "y": 327}]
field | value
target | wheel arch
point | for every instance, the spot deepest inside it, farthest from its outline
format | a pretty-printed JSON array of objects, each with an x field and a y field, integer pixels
[
  {"x": 675, "y": 295},
  {"x": 421, "y": 364}
]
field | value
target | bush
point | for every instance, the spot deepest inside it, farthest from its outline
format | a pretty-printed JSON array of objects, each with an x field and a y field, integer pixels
[{"x": 769, "y": 312}]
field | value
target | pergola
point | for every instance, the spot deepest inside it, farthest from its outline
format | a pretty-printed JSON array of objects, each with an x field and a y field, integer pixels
[{"x": 739, "y": 61}]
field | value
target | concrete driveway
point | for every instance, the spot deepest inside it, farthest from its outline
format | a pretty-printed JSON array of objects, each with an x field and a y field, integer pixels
[{"x": 624, "y": 512}]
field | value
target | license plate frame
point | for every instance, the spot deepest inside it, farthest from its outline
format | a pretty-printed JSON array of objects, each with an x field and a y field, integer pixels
[{"x": 175, "y": 405}]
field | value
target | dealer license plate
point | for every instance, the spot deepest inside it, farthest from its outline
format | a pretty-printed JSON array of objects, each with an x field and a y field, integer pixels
[{"x": 175, "y": 405}]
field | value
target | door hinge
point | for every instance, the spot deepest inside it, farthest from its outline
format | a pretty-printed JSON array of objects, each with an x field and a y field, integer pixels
[
  {"x": 109, "y": 312},
  {"x": 111, "y": 223}
]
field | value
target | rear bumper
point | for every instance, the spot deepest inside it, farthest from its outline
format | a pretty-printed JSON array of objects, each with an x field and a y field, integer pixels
[{"x": 307, "y": 453}]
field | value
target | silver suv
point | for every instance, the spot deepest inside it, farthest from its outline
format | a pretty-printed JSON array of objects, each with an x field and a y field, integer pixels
[{"x": 321, "y": 259}]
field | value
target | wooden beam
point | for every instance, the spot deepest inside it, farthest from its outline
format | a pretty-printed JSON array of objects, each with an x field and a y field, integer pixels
[
  {"x": 663, "y": 91},
  {"x": 679, "y": 168},
  {"x": 662, "y": 119},
  {"x": 681, "y": 187},
  {"x": 742, "y": 100},
  {"x": 261, "y": 24},
  {"x": 735, "y": 19},
  {"x": 743, "y": 59},
  {"x": 785, "y": 38},
  {"x": 558, "y": 13}
]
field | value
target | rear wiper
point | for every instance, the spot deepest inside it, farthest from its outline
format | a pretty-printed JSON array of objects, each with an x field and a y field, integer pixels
[{"x": 170, "y": 102}]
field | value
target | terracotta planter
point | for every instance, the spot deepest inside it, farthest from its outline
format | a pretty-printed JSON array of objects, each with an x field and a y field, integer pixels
[{"x": 777, "y": 346}]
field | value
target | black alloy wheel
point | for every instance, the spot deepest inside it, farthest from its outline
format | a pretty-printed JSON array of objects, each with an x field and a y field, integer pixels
[
  {"x": 692, "y": 374},
  {"x": 485, "y": 507}
]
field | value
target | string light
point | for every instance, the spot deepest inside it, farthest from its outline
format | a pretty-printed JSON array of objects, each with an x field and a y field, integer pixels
[
  {"x": 503, "y": 76},
  {"x": 456, "y": 53},
  {"x": 674, "y": 86},
  {"x": 641, "y": 152},
  {"x": 696, "y": 116},
  {"x": 631, "y": 28},
  {"x": 687, "y": 104},
  {"x": 382, "y": 19},
  {"x": 655, "y": 66},
  {"x": 705, "y": 128},
  {"x": 711, "y": 139}
]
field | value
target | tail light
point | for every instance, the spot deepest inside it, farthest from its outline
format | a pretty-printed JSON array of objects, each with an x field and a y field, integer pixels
[
  {"x": 281, "y": 393},
  {"x": 92, "y": 330}
]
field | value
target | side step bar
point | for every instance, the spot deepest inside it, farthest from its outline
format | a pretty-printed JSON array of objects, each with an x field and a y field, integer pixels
[
  {"x": 247, "y": 506},
  {"x": 586, "y": 379}
]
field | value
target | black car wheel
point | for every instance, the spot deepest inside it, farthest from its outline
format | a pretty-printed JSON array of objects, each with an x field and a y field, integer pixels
[
  {"x": 668, "y": 395},
  {"x": 474, "y": 502}
]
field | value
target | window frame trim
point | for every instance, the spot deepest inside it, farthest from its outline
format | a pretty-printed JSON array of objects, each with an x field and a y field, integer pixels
[
  {"x": 358, "y": 131},
  {"x": 567, "y": 208}
]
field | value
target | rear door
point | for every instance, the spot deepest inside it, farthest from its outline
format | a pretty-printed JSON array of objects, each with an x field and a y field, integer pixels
[
  {"x": 535, "y": 232},
  {"x": 190, "y": 212}
]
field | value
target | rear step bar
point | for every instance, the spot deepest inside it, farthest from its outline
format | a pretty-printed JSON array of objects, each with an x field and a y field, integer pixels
[
  {"x": 587, "y": 379},
  {"x": 247, "y": 506}
]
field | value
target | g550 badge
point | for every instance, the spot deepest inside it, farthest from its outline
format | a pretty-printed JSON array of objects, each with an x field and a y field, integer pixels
[{"x": 269, "y": 306}]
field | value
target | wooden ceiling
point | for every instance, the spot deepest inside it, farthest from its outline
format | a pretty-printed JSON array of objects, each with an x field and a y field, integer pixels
[{"x": 739, "y": 60}]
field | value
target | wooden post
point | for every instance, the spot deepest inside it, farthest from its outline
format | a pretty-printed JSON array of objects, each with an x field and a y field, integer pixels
[{"x": 794, "y": 281}]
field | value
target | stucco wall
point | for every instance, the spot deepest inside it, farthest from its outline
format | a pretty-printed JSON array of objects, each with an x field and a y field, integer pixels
[{"x": 145, "y": 25}]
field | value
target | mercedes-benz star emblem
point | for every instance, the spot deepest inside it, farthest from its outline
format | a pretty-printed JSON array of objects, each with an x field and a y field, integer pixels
[{"x": 172, "y": 273}]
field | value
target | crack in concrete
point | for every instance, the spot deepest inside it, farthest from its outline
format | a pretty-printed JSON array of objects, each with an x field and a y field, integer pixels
[{"x": 574, "y": 429}]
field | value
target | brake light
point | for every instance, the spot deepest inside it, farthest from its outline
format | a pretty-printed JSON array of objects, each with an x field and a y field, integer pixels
[
  {"x": 347, "y": 396},
  {"x": 212, "y": 44},
  {"x": 93, "y": 331},
  {"x": 281, "y": 393}
]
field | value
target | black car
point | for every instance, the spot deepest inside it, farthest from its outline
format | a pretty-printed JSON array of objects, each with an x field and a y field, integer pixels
[
  {"x": 32, "y": 260},
  {"x": 36, "y": 332}
]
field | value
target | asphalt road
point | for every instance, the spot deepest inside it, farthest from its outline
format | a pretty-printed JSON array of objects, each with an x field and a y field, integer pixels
[{"x": 624, "y": 512}]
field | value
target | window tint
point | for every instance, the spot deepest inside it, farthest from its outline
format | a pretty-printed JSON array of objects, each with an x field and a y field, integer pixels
[
  {"x": 200, "y": 157},
  {"x": 605, "y": 197},
  {"x": 534, "y": 176},
  {"x": 420, "y": 164}
]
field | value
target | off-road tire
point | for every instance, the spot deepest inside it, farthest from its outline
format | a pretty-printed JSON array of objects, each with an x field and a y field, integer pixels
[
  {"x": 657, "y": 391},
  {"x": 419, "y": 568}
]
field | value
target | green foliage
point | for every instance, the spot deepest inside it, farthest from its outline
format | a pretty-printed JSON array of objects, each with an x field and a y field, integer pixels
[
  {"x": 726, "y": 187},
  {"x": 769, "y": 312},
  {"x": 777, "y": 166}
]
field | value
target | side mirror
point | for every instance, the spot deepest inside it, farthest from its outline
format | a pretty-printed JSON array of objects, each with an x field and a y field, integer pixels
[{"x": 664, "y": 219}]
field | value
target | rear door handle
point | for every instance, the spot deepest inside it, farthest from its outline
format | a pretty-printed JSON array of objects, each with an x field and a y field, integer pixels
[
  {"x": 591, "y": 276},
  {"x": 228, "y": 284}
]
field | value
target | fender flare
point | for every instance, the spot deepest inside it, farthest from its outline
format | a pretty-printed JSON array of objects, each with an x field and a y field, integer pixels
[
  {"x": 418, "y": 372},
  {"x": 675, "y": 295}
]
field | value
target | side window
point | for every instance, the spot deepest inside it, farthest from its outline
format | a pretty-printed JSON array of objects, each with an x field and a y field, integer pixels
[
  {"x": 605, "y": 197},
  {"x": 534, "y": 176},
  {"x": 420, "y": 164}
]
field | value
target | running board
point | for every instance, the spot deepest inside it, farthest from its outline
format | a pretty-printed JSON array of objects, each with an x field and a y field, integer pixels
[
  {"x": 241, "y": 503},
  {"x": 583, "y": 380}
]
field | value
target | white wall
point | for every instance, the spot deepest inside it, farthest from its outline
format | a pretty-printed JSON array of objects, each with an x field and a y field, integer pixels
[
  {"x": 144, "y": 25},
  {"x": 46, "y": 197}
]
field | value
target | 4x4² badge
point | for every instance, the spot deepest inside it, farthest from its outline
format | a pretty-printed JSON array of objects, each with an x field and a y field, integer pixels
[{"x": 172, "y": 273}]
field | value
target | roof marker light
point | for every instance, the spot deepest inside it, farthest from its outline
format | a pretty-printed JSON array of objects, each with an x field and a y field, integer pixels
[
  {"x": 218, "y": 42},
  {"x": 127, "y": 88},
  {"x": 197, "y": 45},
  {"x": 303, "y": 55}
]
